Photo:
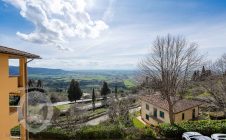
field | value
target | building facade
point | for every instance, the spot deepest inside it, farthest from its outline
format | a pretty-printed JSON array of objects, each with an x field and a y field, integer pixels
[
  {"x": 154, "y": 110},
  {"x": 13, "y": 97}
]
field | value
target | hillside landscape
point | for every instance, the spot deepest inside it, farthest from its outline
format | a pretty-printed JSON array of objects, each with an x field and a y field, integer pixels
[{"x": 58, "y": 79}]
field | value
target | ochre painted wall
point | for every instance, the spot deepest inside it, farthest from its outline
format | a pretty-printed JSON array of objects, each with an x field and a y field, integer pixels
[
  {"x": 9, "y": 120},
  {"x": 178, "y": 116},
  {"x": 187, "y": 114}
]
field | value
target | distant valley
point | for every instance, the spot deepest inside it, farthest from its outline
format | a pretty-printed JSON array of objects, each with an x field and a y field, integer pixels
[{"x": 59, "y": 80}]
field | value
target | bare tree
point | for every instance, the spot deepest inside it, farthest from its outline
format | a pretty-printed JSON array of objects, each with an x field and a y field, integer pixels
[
  {"x": 220, "y": 65},
  {"x": 118, "y": 111},
  {"x": 75, "y": 117},
  {"x": 169, "y": 66},
  {"x": 215, "y": 86}
]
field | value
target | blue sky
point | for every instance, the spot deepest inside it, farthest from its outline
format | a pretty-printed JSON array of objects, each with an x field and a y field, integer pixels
[{"x": 108, "y": 34}]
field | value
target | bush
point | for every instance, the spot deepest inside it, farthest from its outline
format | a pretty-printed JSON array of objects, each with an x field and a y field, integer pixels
[
  {"x": 149, "y": 132},
  {"x": 135, "y": 133},
  {"x": 52, "y": 133},
  {"x": 86, "y": 132},
  {"x": 101, "y": 131},
  {"x": 205, "y": 127}
]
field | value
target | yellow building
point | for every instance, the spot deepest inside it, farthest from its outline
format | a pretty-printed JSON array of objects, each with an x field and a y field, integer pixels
[
  {"x": 13, "y": 94},
  {"x": 155, "y": 110}
]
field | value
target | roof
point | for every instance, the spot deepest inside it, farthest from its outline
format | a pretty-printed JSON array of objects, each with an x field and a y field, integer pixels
[
  {"x": 180, "y": 105},
  {"x": 6, "y": 50}
]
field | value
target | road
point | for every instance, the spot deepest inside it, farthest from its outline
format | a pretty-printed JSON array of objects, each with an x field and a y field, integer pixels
[
  {"x": 90, "y": 106},
  {"x": 78, "y": 101}
]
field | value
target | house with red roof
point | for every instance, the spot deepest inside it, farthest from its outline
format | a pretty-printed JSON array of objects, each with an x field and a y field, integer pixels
[{"x": 155, "y": 109}]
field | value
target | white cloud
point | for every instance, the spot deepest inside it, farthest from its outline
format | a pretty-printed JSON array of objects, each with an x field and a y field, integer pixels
[
  {"x": 57, "y": 20},
  {"x": 108, "y": 14},
  {"x": 122, "y": 47}
]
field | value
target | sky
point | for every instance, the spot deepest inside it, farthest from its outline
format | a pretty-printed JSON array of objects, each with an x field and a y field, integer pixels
[{"x": 108, "y": 34}]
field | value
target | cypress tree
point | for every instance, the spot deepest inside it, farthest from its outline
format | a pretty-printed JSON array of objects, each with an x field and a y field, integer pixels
[
  {"x": 105, "y": 91},
  {"x": 74, "y": 91},
  {"x": 93, "y": 99},
  {"x": 30, "y": 83},
  {"x": 39, "y": 84},
  {"x": 116, "y": 92},
  {"x": 203, "y": 70}
]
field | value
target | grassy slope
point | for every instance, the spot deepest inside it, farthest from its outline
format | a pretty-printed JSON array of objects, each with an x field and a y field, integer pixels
[
  {"x": 137, "y": 123},
  {"x": 129, "y": 83}
]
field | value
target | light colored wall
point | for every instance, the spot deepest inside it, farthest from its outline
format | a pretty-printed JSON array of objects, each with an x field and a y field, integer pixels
[
  {"x": 187, "y": 114},
  {"x": 8, "y": 84},
  {"x": 150, "y": 112},
  {"x": 178, "y": 116}
]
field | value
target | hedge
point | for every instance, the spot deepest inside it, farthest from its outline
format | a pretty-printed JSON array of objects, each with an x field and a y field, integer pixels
[
  {"x": 205, "y": 127},
  {"x": 86, "y": 132},
  {"x": 97, "y": 132}
]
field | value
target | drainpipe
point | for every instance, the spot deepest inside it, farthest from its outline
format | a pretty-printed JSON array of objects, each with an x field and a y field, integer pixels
[{"x": 26, "y": 96}]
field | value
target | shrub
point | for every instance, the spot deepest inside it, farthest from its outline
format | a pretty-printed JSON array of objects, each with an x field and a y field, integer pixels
[
  {"x": 149, "y": 132},
  {"x": 205, "y": 127},
  {"x": 86, "y": 132},
  {"x": 52, "y": 133},
  {"x": 100, "y": 132},
  {"x": 135, "y": 133}
]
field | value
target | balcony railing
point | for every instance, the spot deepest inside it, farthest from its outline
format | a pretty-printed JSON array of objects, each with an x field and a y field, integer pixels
[{"x": 15, "y": 137}]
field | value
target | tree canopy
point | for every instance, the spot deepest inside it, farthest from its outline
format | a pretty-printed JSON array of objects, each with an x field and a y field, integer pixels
[
  {"x": 74, "y": 91},
  {"x": 105, "y": 90}
]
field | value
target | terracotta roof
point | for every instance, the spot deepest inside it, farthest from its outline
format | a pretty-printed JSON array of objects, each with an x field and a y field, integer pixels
[
  {"x": 181, "y": 105},
  {"x": 6, "y": 50}
]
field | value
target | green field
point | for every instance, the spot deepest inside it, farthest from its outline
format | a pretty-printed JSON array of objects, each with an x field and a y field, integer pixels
[{"x": 129, "y": 83}]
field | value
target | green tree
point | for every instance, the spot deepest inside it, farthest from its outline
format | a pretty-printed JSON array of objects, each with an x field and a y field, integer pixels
[
  {"x": 105, "y": 91},
  {"x": 93, "y": 99},
  {"x": 74, "y": 91},
  {"x": 30, "y": 83},
  {"x": 39, "y": 84},
  {"x": 116, "y": 92}
]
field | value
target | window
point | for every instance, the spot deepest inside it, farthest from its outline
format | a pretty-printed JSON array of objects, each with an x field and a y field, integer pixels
[
  {"x": 147, "y": 106},
  {"x": 193, "y": 114},
  {"x": 14, "y": 100},
  {"x": 182, "y": 116},
  {"x": 14, "y": 67},
  {"x": 155, "y": 112},
  {"x": 147, "y": 117},
  {"x": 161, "y": 114},
  {"x": 15, "y": 132}
]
